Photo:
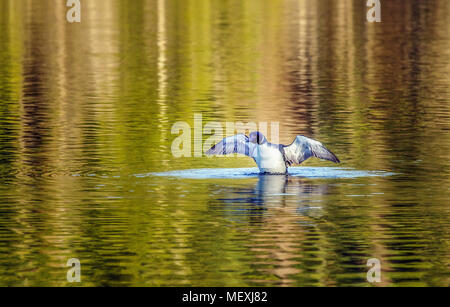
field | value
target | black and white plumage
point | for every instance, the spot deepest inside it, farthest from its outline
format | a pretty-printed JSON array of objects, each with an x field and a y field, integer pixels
[{"x": 272, "y": 158}]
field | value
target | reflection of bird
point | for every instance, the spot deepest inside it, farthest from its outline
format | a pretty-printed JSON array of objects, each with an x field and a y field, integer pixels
[
  {"x": 276, "y": 193},
  {"x": 272, "y": 158},
  {"x": 281, "y": 191}
]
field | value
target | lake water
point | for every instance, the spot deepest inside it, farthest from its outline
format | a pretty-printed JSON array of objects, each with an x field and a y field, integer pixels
[{"x": 87, "y": 171}]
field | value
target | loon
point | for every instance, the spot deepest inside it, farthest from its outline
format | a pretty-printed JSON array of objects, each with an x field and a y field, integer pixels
[{"x": 272, "y": 158}]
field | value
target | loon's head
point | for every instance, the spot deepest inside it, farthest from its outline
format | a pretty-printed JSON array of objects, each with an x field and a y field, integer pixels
[{"x": 257, "y": 138}]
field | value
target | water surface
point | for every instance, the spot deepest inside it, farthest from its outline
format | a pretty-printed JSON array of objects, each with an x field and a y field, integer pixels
[{"x": 86, "y": 169}]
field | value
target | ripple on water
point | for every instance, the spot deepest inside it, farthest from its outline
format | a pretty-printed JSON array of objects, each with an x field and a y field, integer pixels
[{"x": 237, "y": 173}]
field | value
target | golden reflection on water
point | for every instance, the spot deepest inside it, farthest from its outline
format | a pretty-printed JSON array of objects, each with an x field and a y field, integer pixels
[{"x": 85, "y": 107}]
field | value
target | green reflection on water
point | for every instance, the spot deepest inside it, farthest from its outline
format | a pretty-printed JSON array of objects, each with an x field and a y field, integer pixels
[{"x": 86, "y": 107}]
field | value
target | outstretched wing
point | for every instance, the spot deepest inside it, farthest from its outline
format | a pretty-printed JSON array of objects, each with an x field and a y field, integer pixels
[
  {"x": 303, "y": 148},
  {"x": 238, "y": 143}
]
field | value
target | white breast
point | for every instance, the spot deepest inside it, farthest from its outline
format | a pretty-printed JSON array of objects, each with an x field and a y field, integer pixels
[{"x": 270, "y": 159}]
